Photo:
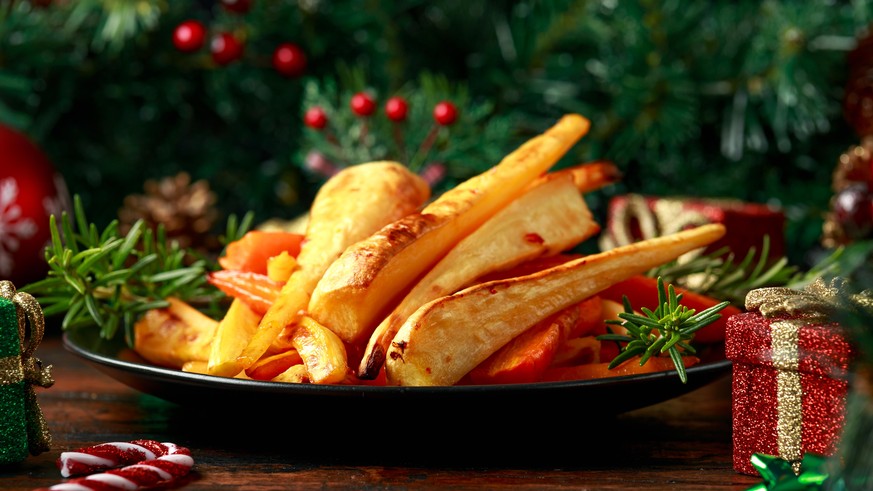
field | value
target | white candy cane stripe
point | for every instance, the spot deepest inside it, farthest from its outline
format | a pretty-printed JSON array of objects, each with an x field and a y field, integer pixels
[
  {"x": 105, "y": 456},
  {"x": 180, "y": 459},
  {"x": 70, "y": 486},
  {"x": 68, "y": 459},
  {"x": 119, "y": 482},
  {"x": 146, "y": 474}
]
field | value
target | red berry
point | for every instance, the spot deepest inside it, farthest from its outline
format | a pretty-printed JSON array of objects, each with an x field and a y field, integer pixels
[
  {"x": 237, "y": 6},
  {"x": 362, "y": 104},
  {"x": 189, "y": 36},
  {"x": 396, "y": 109},
  {"x": 289, "y": 60},
  {"x": 226, "y": 48},
  {"x": 445, "y": 113},
  {"x": 315, "y": 117}
]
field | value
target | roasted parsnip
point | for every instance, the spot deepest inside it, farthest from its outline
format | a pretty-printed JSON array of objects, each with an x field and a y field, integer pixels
[
  {"x": 549, "y": 218},
  {"x": 373, "y": 275},
  {"x": 350, "y": 206},
  {"x": 446, "y": 338}
]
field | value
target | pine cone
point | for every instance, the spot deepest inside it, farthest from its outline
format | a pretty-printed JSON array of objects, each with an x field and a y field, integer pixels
[{"x": 185, "y": 209}]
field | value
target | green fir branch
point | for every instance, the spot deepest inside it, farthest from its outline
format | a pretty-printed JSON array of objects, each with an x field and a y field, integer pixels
[{"x": 115, "y": 22}]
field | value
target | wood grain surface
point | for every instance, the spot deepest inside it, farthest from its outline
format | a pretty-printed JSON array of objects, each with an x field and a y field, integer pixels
[{"x": 684, "y": 443}]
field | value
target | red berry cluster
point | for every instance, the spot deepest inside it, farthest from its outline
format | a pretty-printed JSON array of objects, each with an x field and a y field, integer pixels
[
  {"x": 364, "y": 106},
  {"x": 226, "y": 47},
  {"x": 396, "y": 109}
]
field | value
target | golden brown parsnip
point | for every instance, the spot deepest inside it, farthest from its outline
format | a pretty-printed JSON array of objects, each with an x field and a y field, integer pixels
[
  {"x": 445, "y": 339},
  {"x": 350, "y": 206},
  {"x": 371, "y": 277},
  {"x": 174, "y": 335},
  {"x": 234, "y": 332},
  {"x": 550, "y": 217},
  {"x": 590, "y": 176},
  {"x": 322, "y": 352}
]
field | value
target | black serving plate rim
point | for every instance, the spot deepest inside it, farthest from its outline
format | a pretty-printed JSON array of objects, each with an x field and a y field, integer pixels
[{"x": 113, "y": 366}]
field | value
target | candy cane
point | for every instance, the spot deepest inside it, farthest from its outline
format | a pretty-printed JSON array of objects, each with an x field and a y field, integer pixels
[
  {"x": 96, "y": 458},
  {"x": 173, "y": 462}
]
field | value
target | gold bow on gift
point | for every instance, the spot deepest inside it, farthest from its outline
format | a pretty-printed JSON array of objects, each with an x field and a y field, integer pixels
[
  {"x": 26, "y": 367},
  {"x": 819, "y": 302}
]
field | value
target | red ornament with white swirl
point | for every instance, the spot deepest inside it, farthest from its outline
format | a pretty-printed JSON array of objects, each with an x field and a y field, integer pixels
[{"x": 31, "y": 190}]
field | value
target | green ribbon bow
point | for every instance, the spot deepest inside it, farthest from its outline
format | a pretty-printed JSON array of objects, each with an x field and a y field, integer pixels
[
  {"x": 779, "y": 475},
  {"x": 26, "y": 367}
]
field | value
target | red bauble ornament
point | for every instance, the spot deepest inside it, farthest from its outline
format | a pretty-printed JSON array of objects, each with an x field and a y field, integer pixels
[
  {"x": 852, "y": 209},
  {"x": 445, "y": 113},
  {"x": 237, "y": 6},
  {"x": 226, "y": 48},
  {"x": 189, "y": 36},
  {"x": 362, "y": 104},
  {"x": 396, "y": 109},
  {"x": 30, "y": 192},
  {"x": 289, "y": 60},
  {"x": 315, "y": 117}
]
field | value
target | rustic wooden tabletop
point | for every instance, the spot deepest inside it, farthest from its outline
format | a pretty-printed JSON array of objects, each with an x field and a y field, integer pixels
[{"x": 684, "y": 443}]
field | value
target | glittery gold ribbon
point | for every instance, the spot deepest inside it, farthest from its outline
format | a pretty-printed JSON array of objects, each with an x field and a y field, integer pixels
[
  {"x": 26, "y": 367},
  {"x": 789, "y": 391},
  {"x": 818, "y": 302}
]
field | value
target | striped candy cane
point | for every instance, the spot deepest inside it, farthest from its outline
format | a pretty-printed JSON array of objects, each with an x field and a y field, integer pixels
[{"x": 146, "y": 463}]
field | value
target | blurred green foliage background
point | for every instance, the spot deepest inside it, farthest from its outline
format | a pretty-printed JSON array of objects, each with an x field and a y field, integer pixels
[{"x": 729, "y": 99}]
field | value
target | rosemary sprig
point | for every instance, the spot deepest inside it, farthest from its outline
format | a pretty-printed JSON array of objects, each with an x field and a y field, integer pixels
[
  {"x": 105, "y": 279},
  {"x": 236, "y": 228},
  {"x": 717, "y": 275},
  {"x": 667, "y": 329}
]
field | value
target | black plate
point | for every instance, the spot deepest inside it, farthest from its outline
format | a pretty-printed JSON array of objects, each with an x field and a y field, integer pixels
[{"x": 588, "y": 397}]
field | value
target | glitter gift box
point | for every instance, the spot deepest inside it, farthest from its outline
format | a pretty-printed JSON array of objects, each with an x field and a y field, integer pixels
[
  {"x": 23, "y": 429},
  {"x": 13, "y": 434},
  {"x": 790, "y": 368},
  {"x": 634, "y": 217}
]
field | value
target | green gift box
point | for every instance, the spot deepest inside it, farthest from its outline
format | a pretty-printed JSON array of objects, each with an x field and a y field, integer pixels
[{"x": 23, "y": 428}]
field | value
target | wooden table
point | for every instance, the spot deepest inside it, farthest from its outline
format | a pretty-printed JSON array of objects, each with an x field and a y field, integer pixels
[{"x": 684, "y": 443}]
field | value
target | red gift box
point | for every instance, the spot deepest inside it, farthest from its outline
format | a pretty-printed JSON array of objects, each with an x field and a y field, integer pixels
[
  {"x": 634, "y": 217},
  {"x": 790, "y": 369}
]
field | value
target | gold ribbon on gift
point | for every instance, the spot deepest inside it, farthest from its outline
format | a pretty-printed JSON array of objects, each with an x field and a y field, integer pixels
[
  {"x": 818, "y": 302},
  {"x": 26, "y": 367}
]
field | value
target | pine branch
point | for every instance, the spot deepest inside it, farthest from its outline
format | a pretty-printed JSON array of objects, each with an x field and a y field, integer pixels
[{"x": 115, "y": 21}]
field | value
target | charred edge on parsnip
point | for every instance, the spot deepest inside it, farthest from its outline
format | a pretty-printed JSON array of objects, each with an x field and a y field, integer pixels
[
  {"x": 401, "y": 347},
  {"x": 374, "y": 364}
]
